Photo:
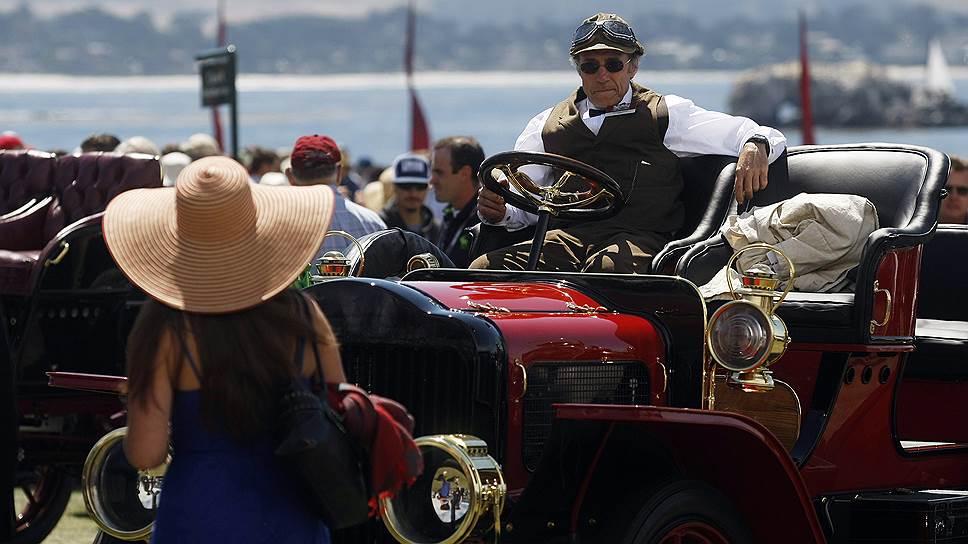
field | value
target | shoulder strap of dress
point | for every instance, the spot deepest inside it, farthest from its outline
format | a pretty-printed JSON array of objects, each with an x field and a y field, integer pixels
[{"x": 188, "y": 355}]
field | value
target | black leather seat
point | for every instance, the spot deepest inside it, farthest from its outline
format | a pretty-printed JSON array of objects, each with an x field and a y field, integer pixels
[
  {"x": 942, "y": 308},
  {"x": 904, "y": 183}
]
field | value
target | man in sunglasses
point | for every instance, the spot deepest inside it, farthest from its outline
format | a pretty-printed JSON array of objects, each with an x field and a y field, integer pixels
[
  {"x": 954, "y": 208},
  {"x": 411, "y": 176},
  {"x": 632, "y": 134}
]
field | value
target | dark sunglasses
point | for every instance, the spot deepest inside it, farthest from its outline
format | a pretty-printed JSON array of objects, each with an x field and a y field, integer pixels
[
  {"x": 612, "y": 65},
  {"x": 615, "y": 30},
  {"x": 962, "y": 191},
  {"x": 412, "y": 186}
]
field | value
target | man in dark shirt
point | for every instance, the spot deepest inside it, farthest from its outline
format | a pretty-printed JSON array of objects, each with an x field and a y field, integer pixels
[{"x": 453, "y": 175}]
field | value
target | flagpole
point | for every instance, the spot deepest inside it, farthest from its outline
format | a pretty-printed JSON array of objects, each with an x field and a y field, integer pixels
[
  {"x": 419, "y": 134},
  {"x": 806, "y": 108},
  {"x": 220, "y": 40}
]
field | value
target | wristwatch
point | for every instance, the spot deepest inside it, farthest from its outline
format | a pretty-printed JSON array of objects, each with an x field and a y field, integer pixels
[{"x": 759, "y": 139}]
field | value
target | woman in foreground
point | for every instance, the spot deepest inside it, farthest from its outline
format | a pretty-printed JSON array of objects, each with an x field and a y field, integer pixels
[{"x": 218, "y": 337}]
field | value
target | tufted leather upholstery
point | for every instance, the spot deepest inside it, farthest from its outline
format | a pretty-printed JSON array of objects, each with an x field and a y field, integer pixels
[
  {"x": 904, "y": 183},
  {"x": 84, "y": 184},
  {"x": 78, "y": 187},
  {"x": 24, "y": 175}
]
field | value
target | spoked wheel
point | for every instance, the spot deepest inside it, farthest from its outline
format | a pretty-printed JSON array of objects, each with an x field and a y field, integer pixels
[
  {"x": 40, "y": 498},
  {"x": 104, "y": 538},
  {"x": 688, "y": 512}
]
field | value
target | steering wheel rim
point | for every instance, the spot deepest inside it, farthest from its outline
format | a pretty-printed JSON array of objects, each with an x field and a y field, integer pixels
[{"x": 534, "y": 199}]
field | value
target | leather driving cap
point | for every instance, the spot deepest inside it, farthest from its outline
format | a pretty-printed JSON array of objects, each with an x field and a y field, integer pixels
[{"x": 605, "y": 31}]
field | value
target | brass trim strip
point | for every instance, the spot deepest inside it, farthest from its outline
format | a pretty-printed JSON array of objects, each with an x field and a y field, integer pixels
[{"x": 65, "y": 247}]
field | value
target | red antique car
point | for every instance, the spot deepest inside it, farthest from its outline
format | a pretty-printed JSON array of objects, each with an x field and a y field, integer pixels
[{"x": 608, "y": 408}]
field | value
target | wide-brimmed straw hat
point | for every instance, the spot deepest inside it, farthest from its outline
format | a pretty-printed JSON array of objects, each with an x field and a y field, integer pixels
[{"x": 216, "y": 243}]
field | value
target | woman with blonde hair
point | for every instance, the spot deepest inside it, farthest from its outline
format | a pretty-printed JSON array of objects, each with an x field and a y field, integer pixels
[{"x": 214, "y": 343}]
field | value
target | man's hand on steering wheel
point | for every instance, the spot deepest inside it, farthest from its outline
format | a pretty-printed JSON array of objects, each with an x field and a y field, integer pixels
[
  {"x": 751, "y": 170},
  {"x": 491, "y": 205}
]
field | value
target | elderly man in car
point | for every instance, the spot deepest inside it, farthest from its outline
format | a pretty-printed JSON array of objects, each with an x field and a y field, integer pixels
[{"x": 631, "y": 133}]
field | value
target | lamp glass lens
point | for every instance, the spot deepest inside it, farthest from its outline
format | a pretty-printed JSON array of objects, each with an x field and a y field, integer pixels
[{"x": 739, "y": 337}]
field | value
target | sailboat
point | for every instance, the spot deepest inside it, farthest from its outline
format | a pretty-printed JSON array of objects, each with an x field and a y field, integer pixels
[{"x": 937, "y": 78}]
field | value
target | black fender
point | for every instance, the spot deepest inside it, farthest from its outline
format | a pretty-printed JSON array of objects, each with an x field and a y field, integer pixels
[{"x": 601, "y": 464}]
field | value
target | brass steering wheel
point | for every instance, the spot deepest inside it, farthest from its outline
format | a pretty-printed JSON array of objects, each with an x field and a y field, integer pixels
[{"x": 580, "y": 192}]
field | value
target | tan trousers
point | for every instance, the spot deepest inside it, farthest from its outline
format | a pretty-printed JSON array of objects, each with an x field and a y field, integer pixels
[{"x": 565, "y": 252}]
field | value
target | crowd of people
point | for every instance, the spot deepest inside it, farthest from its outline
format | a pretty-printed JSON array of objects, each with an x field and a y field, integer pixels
[{"x": 431, "y": 193}]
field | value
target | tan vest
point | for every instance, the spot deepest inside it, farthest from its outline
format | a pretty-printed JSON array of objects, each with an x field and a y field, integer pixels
[{"x": 619, "y": 149}]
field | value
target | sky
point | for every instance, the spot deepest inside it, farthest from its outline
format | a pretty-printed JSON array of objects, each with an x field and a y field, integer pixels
[{"x": 467, "y": 9}]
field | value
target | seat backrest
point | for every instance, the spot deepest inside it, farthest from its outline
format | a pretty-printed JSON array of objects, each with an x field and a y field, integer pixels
[
  {"x": 902, "y": 181},
  {"x": 707, "y": 196},
  {"x": 84, "y": 184},
  {"x": 707, "y": 181},
  {"x": 24, "y": 175},
  {"x": 943, "y": 284},
  {"x": 890, "y": 176}
]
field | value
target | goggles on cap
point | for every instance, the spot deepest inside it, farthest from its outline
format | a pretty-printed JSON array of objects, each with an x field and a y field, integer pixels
[{"x": 616, "y": 30}]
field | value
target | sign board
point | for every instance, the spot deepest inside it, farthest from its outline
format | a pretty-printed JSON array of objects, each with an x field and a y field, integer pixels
[{"x": 218, "y": 76}]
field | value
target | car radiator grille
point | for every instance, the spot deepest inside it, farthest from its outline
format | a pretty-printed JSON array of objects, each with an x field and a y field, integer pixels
[
  {"x": 619, "y": 382},
  {"x": 434, "y": 383}
]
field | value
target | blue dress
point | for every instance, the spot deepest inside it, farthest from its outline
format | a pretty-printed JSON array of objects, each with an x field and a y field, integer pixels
[{"x": 216, "y": 491}]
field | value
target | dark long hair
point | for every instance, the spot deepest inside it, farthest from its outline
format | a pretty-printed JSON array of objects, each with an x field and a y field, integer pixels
[{"x": 243, "y": 357}]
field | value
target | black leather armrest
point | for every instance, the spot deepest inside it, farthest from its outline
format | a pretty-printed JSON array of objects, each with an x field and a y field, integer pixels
[{"x": 703, "y": 260}]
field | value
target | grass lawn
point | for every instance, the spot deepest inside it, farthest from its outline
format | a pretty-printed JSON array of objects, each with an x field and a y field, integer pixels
[{"x": 74, "y": 527}]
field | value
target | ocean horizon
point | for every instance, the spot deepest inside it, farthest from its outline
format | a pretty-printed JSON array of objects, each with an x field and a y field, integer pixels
[{"x": 368, "y": 113}]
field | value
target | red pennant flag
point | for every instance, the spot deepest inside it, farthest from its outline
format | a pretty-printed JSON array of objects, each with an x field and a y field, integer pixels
[
  {"x": 806, "y": 110},
  {"x": 419, "y": 133}
]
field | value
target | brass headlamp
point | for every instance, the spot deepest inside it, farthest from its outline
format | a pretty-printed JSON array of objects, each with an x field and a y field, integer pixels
[
  {"x": 333, "y": 264},
  {"x": 745, "y": 336},
  {"x": 459, "y": 495},
  {"x": 422, "y": 260},
  {"x": 121, "y": 499}
]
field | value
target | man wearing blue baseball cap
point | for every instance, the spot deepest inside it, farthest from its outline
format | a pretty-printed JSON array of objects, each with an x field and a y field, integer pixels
[
  {"x": 411, "y": 177},
  {"x": 632, "y": 134}
]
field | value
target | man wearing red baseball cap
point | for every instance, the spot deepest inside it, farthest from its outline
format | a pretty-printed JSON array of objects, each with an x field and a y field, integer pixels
[
  {"x": 315, "y": 160},
  {"x": 10, "y": 140}
]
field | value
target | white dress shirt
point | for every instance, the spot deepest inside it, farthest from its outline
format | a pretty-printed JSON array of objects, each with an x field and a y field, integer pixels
[{"x": 692, "y": 131}]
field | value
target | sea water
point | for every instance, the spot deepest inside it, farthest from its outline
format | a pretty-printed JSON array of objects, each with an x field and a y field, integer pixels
[{"x": 367, "y": 113}]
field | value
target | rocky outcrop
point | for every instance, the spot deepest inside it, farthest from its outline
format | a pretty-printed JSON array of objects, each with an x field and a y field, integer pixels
[{"x": 843, "y": 95}]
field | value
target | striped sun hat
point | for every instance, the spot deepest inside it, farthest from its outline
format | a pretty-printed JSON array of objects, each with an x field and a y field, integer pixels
[{"x": 216, "y": 243}]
